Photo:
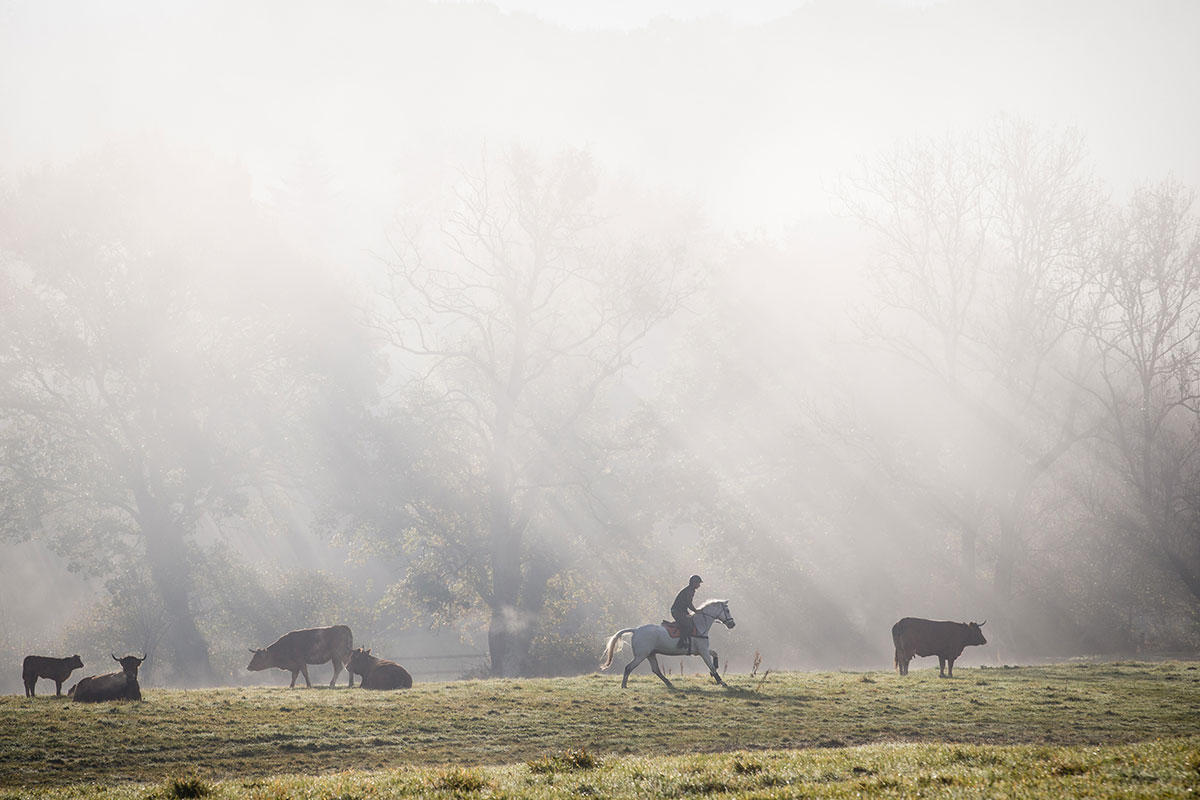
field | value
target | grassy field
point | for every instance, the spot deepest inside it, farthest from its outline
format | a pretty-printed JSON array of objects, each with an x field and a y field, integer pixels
[{"x": 1070, "y": 730}]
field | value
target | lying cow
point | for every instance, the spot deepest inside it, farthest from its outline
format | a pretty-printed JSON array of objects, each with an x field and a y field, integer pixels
[
  {"x": 121, "y": 685},
  {"x": 379, "y": 673},
  {"x": 56, "y": 669},
  {"x": 924, "y": 637},
  {"x": 296, "y": 650}
]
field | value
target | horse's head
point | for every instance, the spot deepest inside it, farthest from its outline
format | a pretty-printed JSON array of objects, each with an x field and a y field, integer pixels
[{"x": 726, "y": 617}]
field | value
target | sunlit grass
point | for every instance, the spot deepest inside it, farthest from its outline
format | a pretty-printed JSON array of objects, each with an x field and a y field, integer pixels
[
  {"x": 1040, "y": 726},
  {"x": 1166, "y": 768}
]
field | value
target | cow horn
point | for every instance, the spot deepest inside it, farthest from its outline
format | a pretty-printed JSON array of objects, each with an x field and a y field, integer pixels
[
  {"x": 252, "y": 650},
  {"x": 143, "y": 658},
  {"x": 115, "y": 658},
  {"x": 983, "y": 623}
]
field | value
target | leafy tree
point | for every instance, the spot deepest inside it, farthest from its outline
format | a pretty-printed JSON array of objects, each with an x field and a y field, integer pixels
[{"x": 151, "y": 362}]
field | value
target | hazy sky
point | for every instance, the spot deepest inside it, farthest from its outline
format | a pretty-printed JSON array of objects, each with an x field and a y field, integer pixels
[
  {"x": 754, "y": 113},
  {"x": 628, "y": 14}
]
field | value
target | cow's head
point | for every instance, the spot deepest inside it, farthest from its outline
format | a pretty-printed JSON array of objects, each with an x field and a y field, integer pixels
[
  {"x": 75, "y": 662},
  {"x": 129, "y": 664},
  {"x": 974, "y": 635},
  {"x": 263, "y": 659},
  {"x": 361, "y": 661}
]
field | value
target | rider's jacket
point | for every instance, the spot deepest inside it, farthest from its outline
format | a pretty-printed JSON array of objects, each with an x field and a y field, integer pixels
[{"x": 684, "y": 602}]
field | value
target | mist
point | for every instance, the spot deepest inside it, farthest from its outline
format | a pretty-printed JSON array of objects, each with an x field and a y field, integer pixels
[{"x": 479, "y": 327}]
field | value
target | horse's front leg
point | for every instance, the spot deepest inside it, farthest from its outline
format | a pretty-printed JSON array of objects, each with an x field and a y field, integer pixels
[
  {"x": 712, "y": 668},
  {"x": 657, "y": 671}
]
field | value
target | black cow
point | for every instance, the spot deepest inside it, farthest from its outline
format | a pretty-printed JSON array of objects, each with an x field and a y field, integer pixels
[
  {"x": 296, "y": 650},
  {"x": 379, "y": 673},
  {"x": 56, "y": 669},
  {"x": 924, "y": 637},
  {"x": 121, "y": 685}
]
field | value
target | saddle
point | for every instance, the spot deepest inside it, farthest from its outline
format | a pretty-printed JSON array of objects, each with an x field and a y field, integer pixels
[{"x": 672, "y": 628}]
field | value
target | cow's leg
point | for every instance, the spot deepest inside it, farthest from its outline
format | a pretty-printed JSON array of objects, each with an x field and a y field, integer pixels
[
  {"x": 58, "y": 688},
  {"x": 941, "y": 666},
  {"x": 295, "y": 674},
  {"x": 337, "y": 670},
  {"x": 304, "y": 672},
  {"x": 950, "y": 666},
  {"x": 657, "y": 671},
  {"x": 29, "y": 685}
]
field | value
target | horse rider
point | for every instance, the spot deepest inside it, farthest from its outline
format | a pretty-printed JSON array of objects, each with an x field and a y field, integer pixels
[{"x": 682, "y": 610}]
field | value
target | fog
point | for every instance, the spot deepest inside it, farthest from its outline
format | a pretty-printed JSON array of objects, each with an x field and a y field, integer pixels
[{"x": 480, "y": 327}]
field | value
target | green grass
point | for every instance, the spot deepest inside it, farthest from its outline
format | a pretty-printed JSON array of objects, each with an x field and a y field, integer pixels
[
  {"x": 1067, "y": 730},
  {"x": 1161, "y": 769}
]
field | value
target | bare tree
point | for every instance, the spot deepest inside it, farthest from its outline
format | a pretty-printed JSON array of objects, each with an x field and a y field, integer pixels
[
  {"x": 1148, "y": 335},
  {"x": 978, "y": 279},
  {"x": 515, "y": 330}
]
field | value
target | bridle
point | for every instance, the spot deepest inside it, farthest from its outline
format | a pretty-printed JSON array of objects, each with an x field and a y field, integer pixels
[{"x": 724, "y": 618}]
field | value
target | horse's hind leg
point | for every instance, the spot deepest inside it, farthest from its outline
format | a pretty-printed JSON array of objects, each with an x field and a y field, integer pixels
[
  {"x": 629, "y": 668},
  {"x": 657, "y": 671}
]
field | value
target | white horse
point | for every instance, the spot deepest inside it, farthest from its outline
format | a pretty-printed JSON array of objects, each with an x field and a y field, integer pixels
[{"x": 650, "y": 641}]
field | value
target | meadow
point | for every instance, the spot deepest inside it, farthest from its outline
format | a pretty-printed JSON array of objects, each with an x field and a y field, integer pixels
[{"x": 1074, "y": 730}]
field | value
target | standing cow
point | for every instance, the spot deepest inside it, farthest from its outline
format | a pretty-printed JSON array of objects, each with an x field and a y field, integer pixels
[
  {"x": 296, "y": 650},
  {"x": 121, "y": 685},
  {"x": 56, "y": 669},
  {"x": 924, "y": 637},
  {"x": 379, "y": 673}
]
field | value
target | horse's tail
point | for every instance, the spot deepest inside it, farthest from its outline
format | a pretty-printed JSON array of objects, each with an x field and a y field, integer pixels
[{"x": 614, "y": 644}]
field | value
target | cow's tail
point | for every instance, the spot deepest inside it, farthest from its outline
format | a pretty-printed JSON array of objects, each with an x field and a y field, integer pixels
[
  {"x": 896, "y": 642},
  {"x": 614, "y": 644}
]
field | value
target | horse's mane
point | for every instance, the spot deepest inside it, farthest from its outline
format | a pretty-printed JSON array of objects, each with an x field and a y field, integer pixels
[{"x": 708, "y": 603}]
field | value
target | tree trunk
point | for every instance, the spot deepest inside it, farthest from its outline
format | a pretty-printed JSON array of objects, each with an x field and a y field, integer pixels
[
  {"x": 506, "y": 622},
  {"x": 969, "y": 535},
  {"x": 167, "y": 558}
]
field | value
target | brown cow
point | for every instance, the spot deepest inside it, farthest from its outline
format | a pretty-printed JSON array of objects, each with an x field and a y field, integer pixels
[
  {"x": 56, "y": 669},
  {"x": 924, "y": 637},
  {"x": 379, "y": 673},
  {"x": 121, "y": 685},
  {"x": 296, "y": 650}
]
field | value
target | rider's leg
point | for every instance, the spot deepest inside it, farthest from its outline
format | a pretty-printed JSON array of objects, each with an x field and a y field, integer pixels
[{"x": 684, "y": 621}]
